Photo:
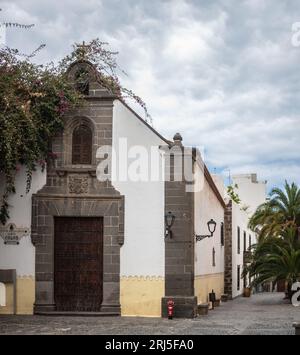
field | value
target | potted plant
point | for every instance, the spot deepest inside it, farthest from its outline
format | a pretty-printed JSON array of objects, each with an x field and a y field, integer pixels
[{"x": 247, "y": 291}]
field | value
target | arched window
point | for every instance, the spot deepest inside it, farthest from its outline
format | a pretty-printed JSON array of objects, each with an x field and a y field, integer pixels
[
  {"x": 82, "y": 81},
  {"x": 82, "y": 145}
]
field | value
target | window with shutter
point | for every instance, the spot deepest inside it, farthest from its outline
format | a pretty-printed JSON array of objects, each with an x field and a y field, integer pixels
[
  {"x": 222, "y": 234},
  {"x": 214, "y": 257},
  {"x": 82, "y": 146},
  {"x": 238, "y": 240},
  {"x": 238, "y": 277}
]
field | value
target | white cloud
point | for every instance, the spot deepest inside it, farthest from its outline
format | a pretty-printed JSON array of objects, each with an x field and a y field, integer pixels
[{"x": 223, "y": 73}]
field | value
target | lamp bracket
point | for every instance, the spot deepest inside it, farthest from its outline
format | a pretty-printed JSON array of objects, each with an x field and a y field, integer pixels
[{"x": 199, "y": 238}]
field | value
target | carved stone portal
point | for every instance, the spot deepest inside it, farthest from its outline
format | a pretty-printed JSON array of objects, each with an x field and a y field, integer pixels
[{"x": 78, "y": 185}]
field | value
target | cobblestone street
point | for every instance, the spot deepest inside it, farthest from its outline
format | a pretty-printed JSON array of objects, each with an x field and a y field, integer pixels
[{"x": 262, "y": 314}]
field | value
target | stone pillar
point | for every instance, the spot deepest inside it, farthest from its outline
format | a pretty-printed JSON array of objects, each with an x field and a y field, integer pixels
[
  {"x": 179, "y": 250},
  {"x": 228, "y": 250}
]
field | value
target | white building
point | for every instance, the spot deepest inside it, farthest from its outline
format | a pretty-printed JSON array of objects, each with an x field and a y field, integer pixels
[
  {"x": 209, "y": 253},
  {"x": 252, "y": 194}
]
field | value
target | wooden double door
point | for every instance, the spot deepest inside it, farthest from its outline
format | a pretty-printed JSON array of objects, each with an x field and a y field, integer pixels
[{"x": 78, "y": 264}]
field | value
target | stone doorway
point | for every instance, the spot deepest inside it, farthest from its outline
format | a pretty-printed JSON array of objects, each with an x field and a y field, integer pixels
[
  {"x": 47, "y": 209},
  {"x": 78, "y": 264}
]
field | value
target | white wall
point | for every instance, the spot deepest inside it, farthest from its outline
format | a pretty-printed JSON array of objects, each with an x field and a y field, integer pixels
[
  {"x": 21, "y": 257},
  {"x": 143, "y": 253},
  {"x": 207, "y": 207},
  {"x": 219, "y": 182},
  {"x": 252, "y": 194},
  {"x": 240, "y": 219},
  {"x": 251, "y": 191}
]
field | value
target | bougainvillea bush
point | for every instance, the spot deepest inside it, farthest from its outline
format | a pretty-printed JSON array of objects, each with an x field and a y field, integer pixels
[{"x": 33, "y": 101}]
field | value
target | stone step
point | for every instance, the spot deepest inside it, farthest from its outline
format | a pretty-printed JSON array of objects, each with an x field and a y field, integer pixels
[{"x": 78, "y": 314}]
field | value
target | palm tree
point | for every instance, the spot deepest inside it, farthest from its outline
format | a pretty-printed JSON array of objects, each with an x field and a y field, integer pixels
[
  {"x": 275, "y": 259},
  {"x": 282, "y": 211},
  {"x": 276, "y": 256}
]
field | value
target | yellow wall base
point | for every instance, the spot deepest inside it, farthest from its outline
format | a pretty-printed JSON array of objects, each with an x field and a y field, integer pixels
[
  {"x": 25, "y": 297},
  {"x": 206, "y": 283},
  {"x": 141, "y": 296}
]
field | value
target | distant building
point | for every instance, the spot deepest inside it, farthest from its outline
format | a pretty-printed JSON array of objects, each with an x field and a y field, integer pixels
[{"x": 238, "y": 237}]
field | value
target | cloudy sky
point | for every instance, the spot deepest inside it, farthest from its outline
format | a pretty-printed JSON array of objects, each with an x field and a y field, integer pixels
[{"x": 224, "y": 73}]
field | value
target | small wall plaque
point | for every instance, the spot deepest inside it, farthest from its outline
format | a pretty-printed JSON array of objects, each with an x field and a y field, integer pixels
[{"x": 12, "y": 235}]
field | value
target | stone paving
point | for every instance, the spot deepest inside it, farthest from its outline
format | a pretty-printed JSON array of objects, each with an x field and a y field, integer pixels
[{"x": 262, "y": 314}]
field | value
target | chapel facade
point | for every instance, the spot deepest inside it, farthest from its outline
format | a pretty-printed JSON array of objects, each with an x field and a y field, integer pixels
[{"x": 101, "y": 245}]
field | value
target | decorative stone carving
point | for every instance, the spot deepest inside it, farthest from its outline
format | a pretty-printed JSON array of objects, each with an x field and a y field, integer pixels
[
  {"x": 12, "y": 235},
  {"x": 78, "y": 185}
]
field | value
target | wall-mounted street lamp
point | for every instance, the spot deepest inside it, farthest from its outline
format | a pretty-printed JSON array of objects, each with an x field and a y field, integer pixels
[
  {"x": 169, "y": 221},
  {"x": 212, "y": 225}
]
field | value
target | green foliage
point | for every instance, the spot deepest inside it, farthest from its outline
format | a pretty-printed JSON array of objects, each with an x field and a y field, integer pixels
[
  {"x": 279, "y": 213},
  {"x": 245, "y": 208},
  {"x": 105, "y": 61},
  {"x": 231, "y": 191},
  {"x": 276, "y": 256},
  {"x": 275, "y": 259},
  {"x": 33, "y": 101}
]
